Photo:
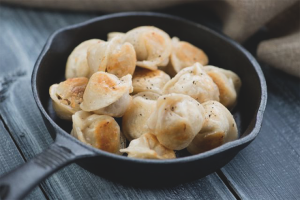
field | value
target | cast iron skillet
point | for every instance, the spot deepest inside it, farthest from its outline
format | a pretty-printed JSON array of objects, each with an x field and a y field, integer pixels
[{"x": 50, "y": 68}]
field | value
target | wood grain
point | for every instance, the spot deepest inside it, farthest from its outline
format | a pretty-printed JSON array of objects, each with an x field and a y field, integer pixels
[
  {"x": 269, "y": 168},
  {"x": 10, "y": 158},
  {"x": 23, "y": 34}
]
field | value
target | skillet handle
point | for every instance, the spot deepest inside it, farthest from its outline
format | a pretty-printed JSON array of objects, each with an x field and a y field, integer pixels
[{"x": 20, "y": 181}]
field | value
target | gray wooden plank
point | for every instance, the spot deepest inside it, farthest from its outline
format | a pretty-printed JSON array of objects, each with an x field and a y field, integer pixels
[
  {"x": 10, "y": 158},
  {"x": 269, "y": 168},
  {"x": 24, "y": 32}
]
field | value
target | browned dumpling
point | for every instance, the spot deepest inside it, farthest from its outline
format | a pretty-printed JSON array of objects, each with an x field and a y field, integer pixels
[
  {"x": 107, "y": 94},
  {"x": 184, "y": 55},
  {"x": 134, "y": 121},
  {"x": 148, "y": 147},
  {"x": 149, "y": 80},
  {"x": 114, "y": 57},
  {"x": 99, "y": 131},
  {"x": 176, "y": 120},
  {"x": 67, "y": 96},
  {"x": 77, "y": 64},
  {"x": 193, "y": 81},
  {"x": 219, "y": 127},
  {"x": 228, "y": 83},
  {"x": 152, "y": 46}
]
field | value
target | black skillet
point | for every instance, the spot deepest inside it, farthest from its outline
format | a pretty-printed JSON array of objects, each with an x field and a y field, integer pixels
[{"x": 50, "y": 68}]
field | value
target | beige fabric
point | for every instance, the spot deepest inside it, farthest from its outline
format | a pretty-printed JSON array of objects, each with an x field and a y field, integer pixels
[{"x": 241, "y": 19}]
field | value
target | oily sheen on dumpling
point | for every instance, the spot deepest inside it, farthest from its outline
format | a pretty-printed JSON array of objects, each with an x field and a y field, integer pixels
[
  {"x": 184, "y": 55},
  {"x": 228, "y": 83},
  {"x": 77, "y": 64},
  {"x": 134, "y": 121},
  {"x": 176, "y": 120},
  {"x": 149, "y": 80},
  {"x": 107, "y": 94},
  {"x": 152, "y": 45},
  {"x": 114, "y": 57},
  {"x": 99, "y": 131},
  {"x": 148, "y": 147},
  {"x": 219, "y": 127},
  {"x": 193, "y": 81},
  {"x": 67, "y": 96}
]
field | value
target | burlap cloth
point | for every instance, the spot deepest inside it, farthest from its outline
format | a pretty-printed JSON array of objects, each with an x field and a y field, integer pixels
[{"x": 241, "y": 19}]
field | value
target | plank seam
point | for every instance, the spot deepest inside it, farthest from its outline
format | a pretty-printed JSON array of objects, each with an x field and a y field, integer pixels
[{"x": 228, "y": 184}]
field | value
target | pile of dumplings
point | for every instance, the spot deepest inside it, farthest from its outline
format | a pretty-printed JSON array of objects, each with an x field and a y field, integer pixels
[{"x": 165, "y": 95}]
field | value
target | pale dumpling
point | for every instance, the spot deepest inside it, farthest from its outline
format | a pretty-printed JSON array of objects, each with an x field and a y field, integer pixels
[
  {"x": 228, "y": 83},
  {"x": 148, "y": 147},
  {"x": 77, "y": 64},
  {"x": 114, "y": 57},
  {"x": 149, "y": 80},
  {"x": 219, "y": 127},
  {"x": 193, "y": 81},
  {"x": 184, "y": 55},
  {"x": 107, "y": 94},
  {"x": 134, "y": 121},
  {"x": 99, "y": 131},
  {"x": 153, "y": 46},
  {"x": 67, "y": 96},
  {"x": 111, "y": 35},
  {"x": 176, "y": 120}
]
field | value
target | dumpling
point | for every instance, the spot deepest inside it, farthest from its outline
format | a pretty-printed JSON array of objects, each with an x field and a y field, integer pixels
[
  {"x": 148, "y": 147},
  {"x": 153, "y": 46},
  {"x": 111, "y": 35},
  {"x": 67, "y": 96},
  {"x": 107, "y": 94},
  {"x": 134, "y": 121},
  {"x": 114, "y": 57},
  {"x": 228, "y": 83},
  {"x": 193, "y": 81},
  {"x": 219, "y": 127},
  {"x": 184, "y": 55},
  {"x": 77, "y": 65},
  {"x": 176, "y": 120},
  {"x": 99, "y": 131},
  {"x": 149, "y": 80}
]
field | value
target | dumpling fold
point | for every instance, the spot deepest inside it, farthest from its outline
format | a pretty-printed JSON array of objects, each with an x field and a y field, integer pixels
[
  {"x": 67, "y": 96},
  {"x": 134, "y": 121},
  {"x": 219, "y": 127},
  {"x": 176, "y": 120},
  {"x": 107, "y": 94},
  {"x": 193, "y": 81},
  {"x": 148, "y": 147},
  {"x": 99, "y": 131}
]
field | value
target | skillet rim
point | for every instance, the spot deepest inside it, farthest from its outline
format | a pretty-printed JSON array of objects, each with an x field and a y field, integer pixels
[{"x": 257, "y": 120}]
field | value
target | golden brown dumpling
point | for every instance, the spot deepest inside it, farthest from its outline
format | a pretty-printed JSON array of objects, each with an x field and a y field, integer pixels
[
  {"x": 176, "y": 120},
  {"x": 67, "y": 96},
  {"x": 114, "y": 57},
  {"x": 134, "y": 121},
  {"x": 184, "y": 55},
  {"x": 99, "y": 131},
  {"x": 152, "y": 46},
  {"x": 193, "y": 81},
  {"x": 219, "y": 127},
  {"x": 77, "y": 65},
  {"x": 148, "y": 147},
  {"x": 107, "y": 94},
  {"x": 149, "y": 80},
  {"x": 228, "y": 83}
]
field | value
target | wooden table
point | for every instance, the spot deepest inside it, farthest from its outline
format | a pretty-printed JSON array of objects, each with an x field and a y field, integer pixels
[{"x": 269, "y": 168}]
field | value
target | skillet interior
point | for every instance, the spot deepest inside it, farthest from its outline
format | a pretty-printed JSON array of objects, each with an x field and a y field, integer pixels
[{"x": 222, "y": 52}]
